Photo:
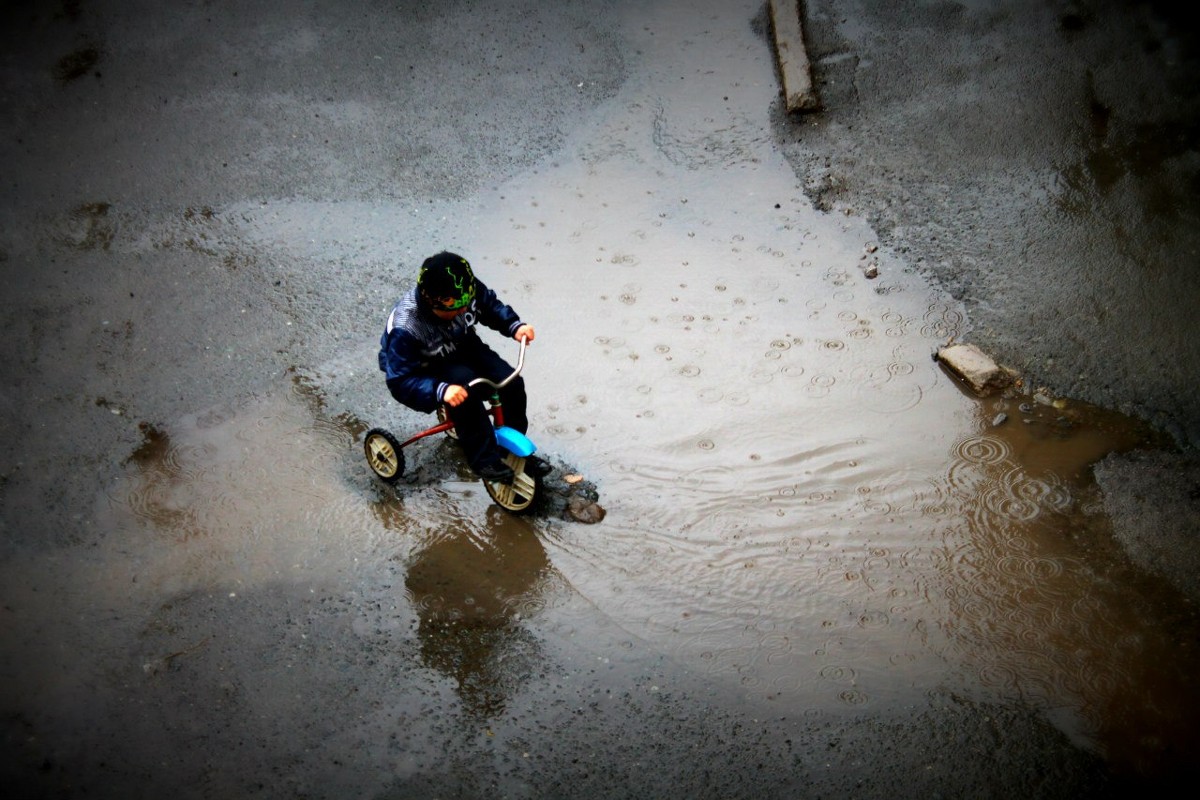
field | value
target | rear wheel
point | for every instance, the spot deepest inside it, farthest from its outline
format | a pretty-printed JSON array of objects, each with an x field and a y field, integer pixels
[
  {"x": 384, "y": 455},
  {"x": 517, "y": 497}
]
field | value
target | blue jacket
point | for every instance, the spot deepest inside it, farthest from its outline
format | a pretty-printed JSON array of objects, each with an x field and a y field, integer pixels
[{"x": 414, "y": 341}]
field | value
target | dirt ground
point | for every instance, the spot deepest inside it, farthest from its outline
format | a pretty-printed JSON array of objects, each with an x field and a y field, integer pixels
[{"x": 204, "y": 203}]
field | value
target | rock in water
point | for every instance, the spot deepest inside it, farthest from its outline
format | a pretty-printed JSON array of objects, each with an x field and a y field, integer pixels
[
  {"x": 977, "y": 369},
  {"x": 581, "y": 509}
]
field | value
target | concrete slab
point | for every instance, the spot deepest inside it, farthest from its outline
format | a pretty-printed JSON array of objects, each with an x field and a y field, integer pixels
[{"x": 975, "y": 368}]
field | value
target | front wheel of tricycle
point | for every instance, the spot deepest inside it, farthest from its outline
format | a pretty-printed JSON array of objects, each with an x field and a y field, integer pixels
[
  {"x": 519, "y": 496},
  {"x": 384, "y": 455}
]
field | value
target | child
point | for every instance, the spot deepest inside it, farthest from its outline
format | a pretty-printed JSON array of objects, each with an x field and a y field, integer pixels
[{"x": 430, "y": 351}]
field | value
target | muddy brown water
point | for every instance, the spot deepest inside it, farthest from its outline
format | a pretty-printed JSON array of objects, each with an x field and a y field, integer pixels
[{"x": 802, "y": 505}]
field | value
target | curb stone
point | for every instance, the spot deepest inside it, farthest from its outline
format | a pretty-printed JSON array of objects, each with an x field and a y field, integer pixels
[{"x": 794, "y": 69}]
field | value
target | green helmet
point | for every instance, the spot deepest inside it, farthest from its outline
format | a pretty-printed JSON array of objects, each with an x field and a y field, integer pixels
[{"x": 446, "y": 281}]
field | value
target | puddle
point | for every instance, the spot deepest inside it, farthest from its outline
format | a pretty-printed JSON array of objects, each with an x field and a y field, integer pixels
[
  {"x": 856, "y": 543},
  {"x": 242, "y": 496}
]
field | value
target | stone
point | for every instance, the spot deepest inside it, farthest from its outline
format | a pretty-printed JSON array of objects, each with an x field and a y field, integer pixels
[
  {"x": 799, "y": 95},
  {"x": 581, "y": 509},
  {"x": 975, "y": 368}
]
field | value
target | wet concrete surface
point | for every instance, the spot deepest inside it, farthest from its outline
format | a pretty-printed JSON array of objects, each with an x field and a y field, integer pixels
[{"x": 825, "y": 571}]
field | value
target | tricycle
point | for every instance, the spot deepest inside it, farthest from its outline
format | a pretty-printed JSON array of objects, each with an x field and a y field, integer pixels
[{"x": 385, "y": 454}]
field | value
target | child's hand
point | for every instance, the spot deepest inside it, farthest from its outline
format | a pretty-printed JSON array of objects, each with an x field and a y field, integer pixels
[
  {"x": 454, "y": 395},
  {"x": 525, "y": 334}
]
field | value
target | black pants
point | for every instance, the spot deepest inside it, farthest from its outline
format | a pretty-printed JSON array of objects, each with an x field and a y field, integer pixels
[{"x": 471, "y": 420}]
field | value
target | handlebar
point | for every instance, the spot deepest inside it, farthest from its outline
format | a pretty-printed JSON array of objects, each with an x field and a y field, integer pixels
[{"x": 506, "y": 381}]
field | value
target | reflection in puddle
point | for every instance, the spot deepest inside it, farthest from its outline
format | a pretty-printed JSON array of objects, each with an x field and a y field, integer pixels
[{"x": 471, "y": 590}]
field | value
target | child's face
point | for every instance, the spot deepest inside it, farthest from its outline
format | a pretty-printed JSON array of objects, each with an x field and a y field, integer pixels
[{"x": 447, "y": 314}]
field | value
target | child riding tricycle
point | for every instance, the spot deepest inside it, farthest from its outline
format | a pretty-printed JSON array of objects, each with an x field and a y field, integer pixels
[{"x": 434, "y": 360}]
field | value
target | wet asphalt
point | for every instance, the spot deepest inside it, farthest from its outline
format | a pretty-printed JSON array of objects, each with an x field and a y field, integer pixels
[{"x": 155, "y": 162}]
